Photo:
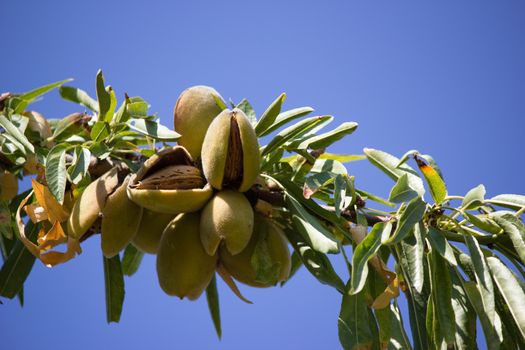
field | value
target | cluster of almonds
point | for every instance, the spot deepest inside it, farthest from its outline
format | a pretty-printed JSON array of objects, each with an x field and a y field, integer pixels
[{"x": 187, "y": 203}]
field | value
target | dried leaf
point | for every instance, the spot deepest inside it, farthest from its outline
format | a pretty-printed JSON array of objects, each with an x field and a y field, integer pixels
[
  {"x": 391, "y": 292},
  {"x": 55, "y": 211},
  {"x": 227, "y": 278}
]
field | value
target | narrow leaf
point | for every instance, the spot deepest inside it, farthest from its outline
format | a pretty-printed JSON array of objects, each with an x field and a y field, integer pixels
[
  {"x": 402, "y": 192},
  {"x": 311, "y": 229},
  {"x": 353, "y": 323},
  {"x": 512, "y": 201},
  {"x": 514, "y": 228},
  {"x": 465, "y": 317},
  {"x": 441, "y": 245},
  {"x": 18, "y": 265},
  {"x": 212, "y": 296},
  {"x": 31, "y": 95},
  {"x": 79, "y": 169},
  {"x": 293, "y": 131},
  {"x": 247, "y": 108},
  {"x": 442, "y": 296},
  {"x": 412, "y": 254},
  {"x": 56, "y": 171},
  {"x": 388, "y": 164},
  {"x": 437, "y": 186},
  {"x": 317, "y": 263},
  {"x": 131, "y": 260},
  {"x": 269, "y": 116},
  {"x": 100, "y": 131},
  {"x": 413, "y": 214},
  {"x": 286, "y": 117},
  {"x": 153, "y": 129},
  {"x": 364, "y": 251},
  {"x": 326, "y": 139},
  {"x": 103, "y": 96},
  {"x": 511, "y": 291},
  {"x": 474, "y": 198},
  {"x": 78, "y": 96},
  {"x": 114, "y": 282},
  {"x": 16, "y": 133}
]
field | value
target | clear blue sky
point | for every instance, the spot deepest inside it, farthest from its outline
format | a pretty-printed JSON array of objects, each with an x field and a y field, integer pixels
[{"x": 446, "y": 78}]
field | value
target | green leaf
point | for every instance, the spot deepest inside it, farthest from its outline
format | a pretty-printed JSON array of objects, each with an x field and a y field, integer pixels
[
  {"x": 484, "y": 222},
  {"x": 269, "y": 116},
  {"x": 16, "y": 133},
  {"x": 512, "y": 201},
  {"x": 413, "y": 214},
  {"x": 317, "y": 263},
  {"x": 514, "y": 228},
  {"x": 474, "y": 198},
  {"x": 399, "y": 340},
  {"x": 219, "y": 101},
  {"x": 286, "y": 117},
  {"x": 112, "y": 104},
  {"x": 131, "y": 260},
  {"x": 100, "y": 131},
  {"x": 122, "y": 114},
  {"x": 329, "y": 166},
  {"x": 353, "y": 323},
  {"x": 388, "y": 164},
  {"x": 294, "y": 131},
  {"x": 320, "y": 238},
  {"x": 365, "y": 251},
  {"x": 441, "y": 245},
  {"x": 405, "y": 157},
  {"x": 56, "y": 175},
  {"x": 103, "y": 96},
  {"x": 343, "y": 158},
  {"x": 326, "y": 139},
  {"x": 31, "y": 95},
  {"x": 437, "y": 186},
  {"x": 114, "y": 282},
  {"x": 136, "y": 107},
  {"x": 412, "y": 251},
  {"x": 442, "y": 296},
  {"x": 247, "y": 108},
  {"x": 402, "y": 192},
  {"x": 486, "y": 310},
  {"x": 68, "y": 122},
  {"x": 153, "y": 129},
  {"x": 78, "y": 170},
  {"x": 511, "y": 290},
  {"x": 212, "y": 296},
  {"x": 317, "y": 182},
  {"x": 341, "y": 200},
  {"x": 18, "y": 265},
  {"x": 465, "y": 317},
  {"x": 78, "y": 96},
  {"x": 375, "y": 198}
]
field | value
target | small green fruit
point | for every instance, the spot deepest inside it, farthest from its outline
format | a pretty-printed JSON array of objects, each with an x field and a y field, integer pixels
[
  {"x": 89, "y": 205},
  {"x": 265, "y": 261},
  {"x": 150, "y": 230},
  {"x": 120, "y": 221},
  {"x": 169, "y": 183},
  {"x": 230, "y": 152},
  {"x": 228, "y": 216},
  {"x": 184, "y": 269},
  {"x": 195, "y": 109}
]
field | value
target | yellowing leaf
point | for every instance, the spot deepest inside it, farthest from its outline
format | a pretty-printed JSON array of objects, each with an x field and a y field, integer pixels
[
  {"x": 55, "y": 211},
  {"x": 47, "y": 241},
  {"x": 36, "y": 213},
  {"x": 391, "y": 292},
  {"x": 227, "y": 278}
]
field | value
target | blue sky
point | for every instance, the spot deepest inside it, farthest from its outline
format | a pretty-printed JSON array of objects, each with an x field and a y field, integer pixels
[{"x": 446, "y": 78}]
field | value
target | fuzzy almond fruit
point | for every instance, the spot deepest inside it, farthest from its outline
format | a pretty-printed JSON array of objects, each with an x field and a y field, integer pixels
[
  {"x": 228, "y": 216},
  {"x": 90, "y": 204},
  {"x": 195, "y": 109},
  {"x": 150, "y": 230},
  {"x": 120, "y": 221},
  {"x": 184, "y": 269},
  {"x": 265, "y": 261},
  {"x": 230, "y": 152},
  {"x": 169, "y": 183}
]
